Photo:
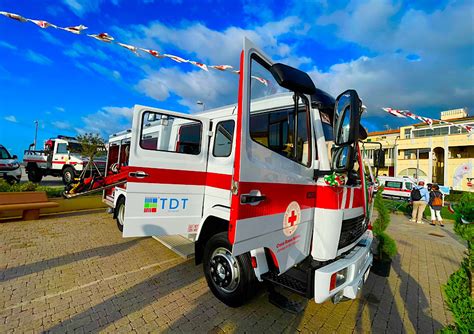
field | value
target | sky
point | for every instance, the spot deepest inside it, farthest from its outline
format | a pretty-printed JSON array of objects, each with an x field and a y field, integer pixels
[{"x": 416, "y": 55}]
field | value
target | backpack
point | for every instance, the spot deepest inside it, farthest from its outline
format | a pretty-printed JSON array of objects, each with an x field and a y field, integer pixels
[
  {"x": 437, "y": 201},
  {"x": 415, "y": 194}
]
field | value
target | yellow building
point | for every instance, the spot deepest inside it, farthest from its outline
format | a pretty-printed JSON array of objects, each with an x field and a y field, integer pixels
[
  {"x": 388, "y": 139},
  {"x": 443, "y": 154}
]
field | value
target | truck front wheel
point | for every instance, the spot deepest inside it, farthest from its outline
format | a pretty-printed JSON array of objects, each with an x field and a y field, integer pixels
[
  {"x": 231, "y": 279},
  {"x": 68, "y": 175},
  {"x": 34, "y": 174}
]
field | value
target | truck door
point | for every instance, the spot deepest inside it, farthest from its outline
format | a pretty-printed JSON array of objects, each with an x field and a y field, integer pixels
[
  {"x": 273, "y": 188},
  {"x": 167, "y": 173}
]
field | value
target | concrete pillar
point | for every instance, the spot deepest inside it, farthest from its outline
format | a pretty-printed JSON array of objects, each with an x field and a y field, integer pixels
[
  {"x": 430, "y": 162},
  {"x": 445, "y": 166}
]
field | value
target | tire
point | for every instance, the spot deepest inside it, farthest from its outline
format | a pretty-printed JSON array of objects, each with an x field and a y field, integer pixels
[
  {"x": 231, "y": 279},
  {"x": 68, "y": 175},
  {"x": 120, "y": 213},
  {"x": 34, "y": 174}
]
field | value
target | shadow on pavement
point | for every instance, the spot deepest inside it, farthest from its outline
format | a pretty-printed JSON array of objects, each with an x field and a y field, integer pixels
[
  {"x": 133, "y": 299},
  {"x": 384, "y": 313},
  {"x": 30, "y": 268}
]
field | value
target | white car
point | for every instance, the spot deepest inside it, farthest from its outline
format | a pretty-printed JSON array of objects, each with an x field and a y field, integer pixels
[{"x": 9, "y": 167}]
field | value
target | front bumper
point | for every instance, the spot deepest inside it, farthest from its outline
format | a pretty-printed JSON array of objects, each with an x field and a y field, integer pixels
[
  {"x": 357, "y": 262},
  {"x": 12, "y": 173}
]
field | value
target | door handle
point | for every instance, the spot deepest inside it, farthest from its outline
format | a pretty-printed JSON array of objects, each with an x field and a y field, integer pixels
[
  {"x": 253, "y": 198},
  {"x": 138, "y": 175}
]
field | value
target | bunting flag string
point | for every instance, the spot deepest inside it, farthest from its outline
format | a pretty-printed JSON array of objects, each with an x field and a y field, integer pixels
[
  {"x": 426, "y": 120},
  {"x": 105, "y": 37}
]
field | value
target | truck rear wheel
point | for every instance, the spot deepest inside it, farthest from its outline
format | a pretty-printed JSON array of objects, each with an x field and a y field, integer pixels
[
  {"x": 68, "y": 175},
  {"x": 120, "y": 213},
  {"x": 34, "y": 174},
  {"x": 231, "y": 279}
]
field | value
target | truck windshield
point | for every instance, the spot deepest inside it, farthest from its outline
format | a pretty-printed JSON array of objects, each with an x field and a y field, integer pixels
[{"x": 4, "y": 153}]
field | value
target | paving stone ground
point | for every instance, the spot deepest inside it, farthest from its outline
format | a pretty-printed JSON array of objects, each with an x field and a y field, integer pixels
[{"x": 77, "y": 274}]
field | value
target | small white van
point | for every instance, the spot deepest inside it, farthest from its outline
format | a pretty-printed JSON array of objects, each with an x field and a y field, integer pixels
[
  {"x": 9, "y": 167},
  {"x": 396, "y": 187}
]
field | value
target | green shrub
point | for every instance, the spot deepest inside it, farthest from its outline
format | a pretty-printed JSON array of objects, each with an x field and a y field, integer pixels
[
  {"x": 459, "y": 300},
  {"x": 30, "y": 186},
  {"x": 458, "y": 289},
  {"x": 387, "y": 247}
]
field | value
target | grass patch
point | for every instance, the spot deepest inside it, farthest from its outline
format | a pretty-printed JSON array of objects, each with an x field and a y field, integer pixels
[{"x": 405, "y": 207}]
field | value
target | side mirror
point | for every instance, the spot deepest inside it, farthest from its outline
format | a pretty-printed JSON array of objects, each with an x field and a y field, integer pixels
[
  {"x": 347, "y": 118},
  {"x": 15, "y": 157},
  {"x": 343, "y": 158},
  {"x": 293, "y": 79},
  {"x": 379, "y": 158}
]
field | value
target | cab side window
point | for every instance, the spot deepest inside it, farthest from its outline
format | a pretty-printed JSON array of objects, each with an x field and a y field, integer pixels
[
  {"x": 277, "y": 131},
  {"x": 223, "y": 139},
  {"x": 62, "y": 148}
]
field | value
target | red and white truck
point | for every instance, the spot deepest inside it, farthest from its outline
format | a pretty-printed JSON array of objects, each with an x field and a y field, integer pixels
[
  {"x": 246, "y": 182},
  {"x": 58, "y": 158}
]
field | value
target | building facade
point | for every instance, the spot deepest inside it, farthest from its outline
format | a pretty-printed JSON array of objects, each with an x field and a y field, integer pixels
[{"x": 442, "y": 154}]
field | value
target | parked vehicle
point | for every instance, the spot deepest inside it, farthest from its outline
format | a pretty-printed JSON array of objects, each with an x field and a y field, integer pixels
[
  {"x": 10, "y": 168},
  {"x": 246, "y": 182},
  {"x": 58, "y": 158},
  {"x": 396, "y": 187}
]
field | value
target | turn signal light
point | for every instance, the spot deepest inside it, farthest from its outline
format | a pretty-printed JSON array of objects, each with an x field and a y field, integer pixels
[
  {"x": 254, "y": 262},
  {"x": 337, "y": 279}
]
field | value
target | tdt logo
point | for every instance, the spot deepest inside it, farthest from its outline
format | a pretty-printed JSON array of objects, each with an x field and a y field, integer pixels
[{"x": 153, "y": 204}]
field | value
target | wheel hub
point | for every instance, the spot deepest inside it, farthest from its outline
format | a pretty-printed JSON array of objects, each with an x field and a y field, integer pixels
[{"x": 225, "y": 270}]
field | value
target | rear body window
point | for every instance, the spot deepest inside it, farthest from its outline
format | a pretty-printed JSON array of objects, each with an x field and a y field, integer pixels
[{"x": 393, "y": 184}]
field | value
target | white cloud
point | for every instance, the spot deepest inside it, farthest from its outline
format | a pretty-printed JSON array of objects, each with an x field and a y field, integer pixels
[
  {"x": 11, "y": 118},
  {"x": 62, "y": 125},
  {"x": 82, "y": 7},
  {"x": 37, "y": 58},
  {"x": 50, "y": 38},
  {"x": 198, "y": 42},
  {"x": 217, "y": 47},
  {"x": 214, "y": 89},
  {"x": 61, "y": 109},
  {"x": 6, "y": 45},
  {"x": 107, "y": 120}
]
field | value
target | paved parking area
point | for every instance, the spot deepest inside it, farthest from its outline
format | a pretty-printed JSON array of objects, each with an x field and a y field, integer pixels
[{"x": 78, "y": 274}]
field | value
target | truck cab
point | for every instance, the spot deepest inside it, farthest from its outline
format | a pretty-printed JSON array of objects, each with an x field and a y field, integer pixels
[
  {"x": 59, "y": 158},
  {"x": 249, "y": 183}
]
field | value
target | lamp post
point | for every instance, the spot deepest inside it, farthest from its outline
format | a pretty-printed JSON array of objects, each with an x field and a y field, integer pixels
[
  {"x": 36, "y": 133},
  {"x": 201, "y": 104}
]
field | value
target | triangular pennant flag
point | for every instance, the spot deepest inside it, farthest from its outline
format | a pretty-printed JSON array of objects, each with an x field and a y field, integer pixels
[
  {"x": 132, "y": 48},
  {"x": 75, "y": 30},
  {"x": 200, "y": 65},
  {"x": 409, "y": 114},
  {"x": 42, "y": 24},
  {"x": 103, "y": 37},
  {"x": 176, "y": 58},
  {"x": 394, "y": 112},
  {"x": 153, "y": 53},
  {"x": 221, "y": 67},
  {"x": 262, "y": 80},
  {"x": 14, "y": 16}
]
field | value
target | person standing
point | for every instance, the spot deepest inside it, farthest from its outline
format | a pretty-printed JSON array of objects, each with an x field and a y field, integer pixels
[
  {"x": 436, "y": 203},
  {"x": 419, "y": 197}
]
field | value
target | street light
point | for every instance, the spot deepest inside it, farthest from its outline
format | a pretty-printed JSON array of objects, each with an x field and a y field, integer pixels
[
  {"x": 36, "y": 133},
  {"x": 201, "y": 104}
]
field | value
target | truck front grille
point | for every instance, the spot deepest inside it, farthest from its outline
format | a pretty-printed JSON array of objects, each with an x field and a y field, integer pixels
[{"x": 351, "y": 230}]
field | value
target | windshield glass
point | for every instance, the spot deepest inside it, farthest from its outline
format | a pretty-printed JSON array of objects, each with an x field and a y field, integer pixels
[{"x": 4, "y": 153}]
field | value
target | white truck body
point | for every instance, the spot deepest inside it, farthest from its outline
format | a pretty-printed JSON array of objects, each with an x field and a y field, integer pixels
[
  {"x": 56, "y": 160},
  {"x": 234, "y": 174}
]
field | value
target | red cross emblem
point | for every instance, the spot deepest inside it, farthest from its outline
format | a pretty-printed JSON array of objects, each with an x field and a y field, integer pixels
[{"x": 291, "y": 218}]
